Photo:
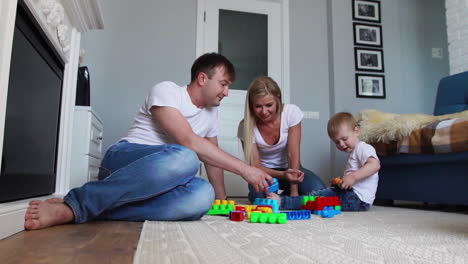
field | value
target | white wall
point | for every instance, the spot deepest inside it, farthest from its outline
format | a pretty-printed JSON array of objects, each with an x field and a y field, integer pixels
[
  {"x": 457, "y": 29},
  {"x": 148, "y": 41}
]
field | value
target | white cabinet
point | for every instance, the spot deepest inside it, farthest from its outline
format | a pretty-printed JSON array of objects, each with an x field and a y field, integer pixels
[{"x": 86, "y": 146}]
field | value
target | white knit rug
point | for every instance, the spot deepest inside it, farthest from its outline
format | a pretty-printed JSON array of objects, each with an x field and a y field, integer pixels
[{"x": 382, "y": 235}]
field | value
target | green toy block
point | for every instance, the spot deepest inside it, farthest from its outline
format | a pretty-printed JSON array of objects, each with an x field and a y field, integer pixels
[
  {"x": 305, "y": 199},
  {"x": 338, "y": 207},
  {"x": 220, "y": 209},
  {"x": 272, "y": 218}
]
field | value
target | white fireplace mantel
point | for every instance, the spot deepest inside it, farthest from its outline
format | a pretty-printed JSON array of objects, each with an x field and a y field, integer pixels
[{"x": 63, "y": 21}]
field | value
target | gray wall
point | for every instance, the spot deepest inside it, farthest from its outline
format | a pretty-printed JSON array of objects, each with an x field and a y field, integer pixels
[
  {"x": 410, "y": 29},
  {"x": 148, "y": 41},
  {"x": 143, "y": 42}
]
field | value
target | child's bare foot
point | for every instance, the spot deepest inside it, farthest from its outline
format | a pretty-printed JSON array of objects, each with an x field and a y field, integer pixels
[
  {"x": 42, "y": 214},
  {"x": 274, "y": 196}
]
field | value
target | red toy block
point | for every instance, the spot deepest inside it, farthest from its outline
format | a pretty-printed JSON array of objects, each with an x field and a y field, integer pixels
[
  {"x": 321, "y": 202},
  {"x": 240, "y": 208},
  {"x": 237, "y": 216}
]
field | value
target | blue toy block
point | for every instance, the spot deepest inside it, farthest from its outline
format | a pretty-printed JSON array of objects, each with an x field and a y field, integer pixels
[
  {"x": 327, "y": 212},
  {"x": 298, "y": 215},
  {"x": 274, "y": 187},
  {"x": 273, "y": 203}
]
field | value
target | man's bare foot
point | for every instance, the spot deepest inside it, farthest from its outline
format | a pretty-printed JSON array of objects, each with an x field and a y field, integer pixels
[
  {"x": 274, "y": 196},
  {"x": 42, "y": 214},
  {"x": 54, "y": 200}
]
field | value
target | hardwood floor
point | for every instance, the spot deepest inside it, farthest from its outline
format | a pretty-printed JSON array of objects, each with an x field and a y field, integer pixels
[{"x": 94, "y": 242}]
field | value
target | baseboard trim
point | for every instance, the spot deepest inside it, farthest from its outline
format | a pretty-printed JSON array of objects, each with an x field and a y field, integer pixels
[{"x": 12, "y": 216}]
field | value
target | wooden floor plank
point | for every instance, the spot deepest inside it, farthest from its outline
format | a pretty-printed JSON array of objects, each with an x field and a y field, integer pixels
[{"x": 94, "y": 242}]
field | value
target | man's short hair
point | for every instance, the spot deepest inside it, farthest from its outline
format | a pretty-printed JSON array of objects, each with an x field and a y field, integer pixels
[
  {"x": 339, "y": 119},
  {"x": 207, "y": 64}
]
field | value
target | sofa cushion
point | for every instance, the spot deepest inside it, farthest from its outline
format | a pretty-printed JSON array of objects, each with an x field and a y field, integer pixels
[
  {"x": 414, "y": 159},
  {"x": 452, "y": 94}
]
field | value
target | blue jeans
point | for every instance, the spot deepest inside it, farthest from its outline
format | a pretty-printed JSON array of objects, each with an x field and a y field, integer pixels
[
  {"x": 311, "y": 182},
  {"x": 349, "y": 199},
  {"x": 143, "y": 182}
]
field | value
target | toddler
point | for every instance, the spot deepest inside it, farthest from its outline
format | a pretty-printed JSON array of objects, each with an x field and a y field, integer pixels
[{"x": 359, "y": 183}]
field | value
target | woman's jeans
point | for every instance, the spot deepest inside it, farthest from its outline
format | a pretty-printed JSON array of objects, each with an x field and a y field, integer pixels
[
  {"x": 311, "y": 182},
  {"x": 143, "y": 182}
]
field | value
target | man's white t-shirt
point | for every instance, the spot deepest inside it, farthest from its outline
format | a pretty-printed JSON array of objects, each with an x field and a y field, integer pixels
[
  {"x": 276, "y": 155},
  {"x": 366, "y": 188},
  {"x": 145, "y": 130}
]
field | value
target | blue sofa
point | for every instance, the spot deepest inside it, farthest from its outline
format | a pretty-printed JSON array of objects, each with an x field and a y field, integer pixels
[{"x": 438, "y": 178}]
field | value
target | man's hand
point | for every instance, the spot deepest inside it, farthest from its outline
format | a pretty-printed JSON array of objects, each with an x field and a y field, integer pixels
[
  {"x": 294, "y": 176},
  {"x": 258, "y": 178}
]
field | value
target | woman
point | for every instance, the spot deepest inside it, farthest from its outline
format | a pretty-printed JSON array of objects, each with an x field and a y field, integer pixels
[{"x": 271, "y": 137}]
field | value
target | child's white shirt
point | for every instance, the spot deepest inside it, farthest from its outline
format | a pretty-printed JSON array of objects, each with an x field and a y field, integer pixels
[{"x": 366, "y": 188}]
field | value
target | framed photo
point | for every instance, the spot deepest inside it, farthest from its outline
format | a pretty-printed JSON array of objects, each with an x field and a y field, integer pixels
[
  {"x": 366, "y": 10},
  {"x": 367, "y": 35},
  {"x": 368, "y": 59},
  {"x": 370, "y": 86}
]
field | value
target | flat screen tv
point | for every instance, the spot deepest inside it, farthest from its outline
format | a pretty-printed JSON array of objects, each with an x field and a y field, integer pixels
[{"x": 33, "y": 113}]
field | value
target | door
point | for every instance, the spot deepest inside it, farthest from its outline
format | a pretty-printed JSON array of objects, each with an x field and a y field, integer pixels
[{"x": 250, "y": 34}]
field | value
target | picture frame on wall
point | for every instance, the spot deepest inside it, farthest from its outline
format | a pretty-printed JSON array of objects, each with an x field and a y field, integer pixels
[
  {"x": 368, "y": 59},
  {"x": 370, "y": 86},
  {"x": 367, "y": 35},
  {"x": 366, "y": 10}
]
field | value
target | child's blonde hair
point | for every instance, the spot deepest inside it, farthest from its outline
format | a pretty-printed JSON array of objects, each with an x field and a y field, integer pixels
[{"x": 337, "y": 120}]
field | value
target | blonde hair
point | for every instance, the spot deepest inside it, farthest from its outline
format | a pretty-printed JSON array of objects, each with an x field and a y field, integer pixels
[
  {"x": 260, "y": 87},
  {"x": 337, "y": 120}
]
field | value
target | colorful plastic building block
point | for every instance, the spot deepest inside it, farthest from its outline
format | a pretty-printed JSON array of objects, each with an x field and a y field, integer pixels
[
  {"x": 224, "y": 202},
  {"x": 323, "y": 206},
  {"x": 273, "y": 203},
  {"x": 336, "y": 182},
  {"x": 273, "y": 218},
  {"x": 298, "y": 215},
  {"x": 274, "y": 187},
  {"x": 318, "y": 203},
  {"x": 264, "y": 208},
  {"x": 327, "y": 212},
  {"x": 237, "y": 216},
  {"x": 220, "y": 209}
]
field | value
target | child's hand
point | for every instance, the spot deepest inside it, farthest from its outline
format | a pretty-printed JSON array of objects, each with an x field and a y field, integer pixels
[
  {"x": 348, "y": 181},
  {"x": 274, "y": 196}
]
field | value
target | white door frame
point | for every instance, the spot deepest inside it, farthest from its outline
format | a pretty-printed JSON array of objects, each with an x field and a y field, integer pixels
[
  {"x": 200, "y": 45},
  {"x": 279, "y": 66}
]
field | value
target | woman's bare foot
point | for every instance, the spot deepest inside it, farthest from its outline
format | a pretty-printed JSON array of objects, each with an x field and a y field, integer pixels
[
  {"x": 274, "y": 196},
  {"x": 42, "y": 214},
  {"x": 294, "y": 190}
]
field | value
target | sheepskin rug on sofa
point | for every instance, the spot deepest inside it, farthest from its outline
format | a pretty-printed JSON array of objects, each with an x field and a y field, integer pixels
[{"x": 377, "y": 126}]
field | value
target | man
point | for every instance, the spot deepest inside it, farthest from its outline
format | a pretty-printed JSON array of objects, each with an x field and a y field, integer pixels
[{"x": 150, "y": 173}]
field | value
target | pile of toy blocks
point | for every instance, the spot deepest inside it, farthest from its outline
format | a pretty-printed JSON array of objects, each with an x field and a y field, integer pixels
[
  {"x": 323, "y": 206},
  {"x": 267, "y": 210}
]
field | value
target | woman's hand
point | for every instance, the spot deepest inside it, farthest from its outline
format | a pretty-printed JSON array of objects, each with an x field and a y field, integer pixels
[
  {"x": 258, "y": 178},
  {"x": 293, "y": 175}
]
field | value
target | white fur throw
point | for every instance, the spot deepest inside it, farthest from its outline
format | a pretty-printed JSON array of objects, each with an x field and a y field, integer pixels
[{"x": 383, "y": 127}]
